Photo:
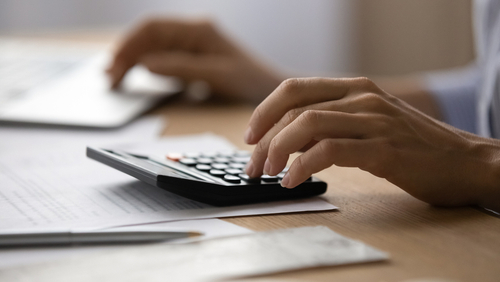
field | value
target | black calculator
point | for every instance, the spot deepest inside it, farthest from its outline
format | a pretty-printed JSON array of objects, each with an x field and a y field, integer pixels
[{"x": 215, "y": 178}]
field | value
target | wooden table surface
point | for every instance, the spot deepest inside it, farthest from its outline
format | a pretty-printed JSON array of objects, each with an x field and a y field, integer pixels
[{"x": 425, "y": 243}]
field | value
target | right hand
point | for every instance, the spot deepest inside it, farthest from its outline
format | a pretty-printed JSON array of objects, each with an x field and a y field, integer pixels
[
  {"x": 352, "y": 122},
  {"x": 193, "y": 50}
]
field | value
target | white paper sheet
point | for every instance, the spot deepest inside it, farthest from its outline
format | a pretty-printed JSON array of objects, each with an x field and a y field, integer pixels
[
  {"x": 254, "y": 254},
  {"x": 62, "y": 189},
  {"x": 211, "y": 228}
]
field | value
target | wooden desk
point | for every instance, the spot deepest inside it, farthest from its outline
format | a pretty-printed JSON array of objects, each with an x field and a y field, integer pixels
[
  {"x": 423, "y": 241},
  {"x": 460, "y": 244}
]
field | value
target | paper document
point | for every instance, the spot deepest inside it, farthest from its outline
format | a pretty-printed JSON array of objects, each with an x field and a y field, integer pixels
[
  {"x": 18, "y": 141},
  {"x": 63, "y": 189},
  {"x": 239, "y": 256},
  {"x": 211, "y": 228}
]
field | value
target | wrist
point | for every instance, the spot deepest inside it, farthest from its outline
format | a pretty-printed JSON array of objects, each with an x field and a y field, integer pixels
[{"x": 487, "y": 173}]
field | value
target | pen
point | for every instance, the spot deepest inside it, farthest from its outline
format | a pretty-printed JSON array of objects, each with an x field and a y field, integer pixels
[{"x": 89, "y": 237}]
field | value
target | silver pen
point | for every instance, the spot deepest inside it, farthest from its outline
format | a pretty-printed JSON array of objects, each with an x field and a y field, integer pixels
[{"x": 89, "y": 237}]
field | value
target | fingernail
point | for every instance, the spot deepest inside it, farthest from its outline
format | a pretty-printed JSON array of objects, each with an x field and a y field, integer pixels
[
  {"x": 248, "y": 135},
  {"x": 267, "y": 167},
  {"x": 249, "y": 168},
  {"x": 285, "y": 181}
]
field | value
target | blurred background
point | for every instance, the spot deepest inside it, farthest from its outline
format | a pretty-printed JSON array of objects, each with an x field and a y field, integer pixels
[{"x": 301, "y": 36}]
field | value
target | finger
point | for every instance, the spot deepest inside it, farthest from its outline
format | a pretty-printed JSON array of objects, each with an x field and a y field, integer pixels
[
  {"x": 365, "y": 154},
  {"x": 136, "y": 43},
  {"x": 294, "y": 93},
  {"x": 256, "y": 165},
  {"x": 259, "y": 156},
  {"x": 313, "y": 125},
  {"x": 152, "y": 36}
]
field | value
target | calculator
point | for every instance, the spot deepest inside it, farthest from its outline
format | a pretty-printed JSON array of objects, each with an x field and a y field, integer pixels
[{"x": 216, "y": 177}]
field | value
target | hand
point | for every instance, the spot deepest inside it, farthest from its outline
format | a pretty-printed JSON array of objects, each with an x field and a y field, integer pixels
[
  {"x": 193, "y": 51},
  {"x": 353, "y": 123}
]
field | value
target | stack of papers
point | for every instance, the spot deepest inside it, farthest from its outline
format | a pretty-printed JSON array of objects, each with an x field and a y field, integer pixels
[{"x": 47, "y": 182}]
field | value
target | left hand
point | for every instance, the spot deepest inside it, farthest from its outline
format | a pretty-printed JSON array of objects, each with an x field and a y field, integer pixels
[
  {"x": 354, "y": 123},
  {"x": 194, "y": 50}
]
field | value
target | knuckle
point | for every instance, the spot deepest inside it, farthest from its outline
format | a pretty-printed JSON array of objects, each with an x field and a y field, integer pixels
[
  {"x": 273, "y": 146},
  {"x": 365, "y": 83},
  {"x": 261, "y": 148},
  {"x": 300, "y": 166},
  {"x": 152, "y": 28},
  {"x": 382, "y": 124},
  {"x": 373, "y": 101},
  {"x": 291, "y": 85},
  {"x": 149, "y": 25},
  {"x": 205, "y": 27},
  {"x": 291, "y": 115},
  {"x": 327, "y": 147},
  {"x": 310, "y": 117}
]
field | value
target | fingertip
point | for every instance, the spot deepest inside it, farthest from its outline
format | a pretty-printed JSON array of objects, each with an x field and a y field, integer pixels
[
  {"x": 250, "y": 168},
  {"x": 267, "y": 167},
  {"x": 285, "y": 182},
  {"x": 249, "y": 136}
]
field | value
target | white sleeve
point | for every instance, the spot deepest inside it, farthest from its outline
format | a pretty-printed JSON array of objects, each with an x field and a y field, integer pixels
[{"x": 455, "y": 92}]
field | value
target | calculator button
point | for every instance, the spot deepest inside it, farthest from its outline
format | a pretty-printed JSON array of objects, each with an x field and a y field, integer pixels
[
  {"x": 268, "y": 178},
  {"x": 217, "y": 172},
  {"x": 242, "y": 154},
  {"x": 187, "y": 161},
  {"x": 209, "y": 154},
  {"x": 231, "y": 178},
  {"x": 281, "y": 175},
  {"x": 226, "y": 153},
  {"x": 220, "y": 166},
  {"x": 237, "y": 165},
  {"x": 234, "y": 171},
  {"x": 203, "y": 167},
  {"x": 174, "y": 156},
  {"x": 248, "y": 179},
  {"x": 192, "y": 155},
  {"x": 285, "y": 169},
  {"x": 204, "y": 160},
  {"x": 221, "y": 160},
  {"x": 241, "y": 159}
]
